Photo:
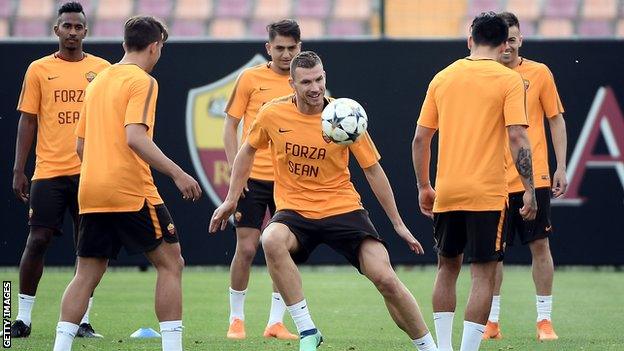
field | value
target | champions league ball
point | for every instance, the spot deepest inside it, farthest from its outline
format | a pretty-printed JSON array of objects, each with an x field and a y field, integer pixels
[{"x": 343, "y": 121}]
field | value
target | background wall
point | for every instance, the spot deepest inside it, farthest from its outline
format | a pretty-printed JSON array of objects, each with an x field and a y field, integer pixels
[{"x": 390, "y": 79}]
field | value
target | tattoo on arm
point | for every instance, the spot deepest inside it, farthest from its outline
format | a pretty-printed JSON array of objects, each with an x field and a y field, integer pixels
[{"x": 524, "y": 165}]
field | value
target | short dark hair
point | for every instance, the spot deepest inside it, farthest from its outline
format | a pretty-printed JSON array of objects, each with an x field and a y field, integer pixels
[
  {"x": 285, "y": 28},
  {"x": 140, "y": 31},
  {"x": 305, "y": 59},
  {"x": 489, "y": 29},
  {"x": 510, "y": 19},
  {"x": 71, "y": 7}
]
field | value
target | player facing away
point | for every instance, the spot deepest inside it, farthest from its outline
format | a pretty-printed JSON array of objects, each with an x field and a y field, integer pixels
[
  {"x": 542, "y": 101},
  {"x": 474, "y": 104},
  {"x": 317, "y": 203},
  {"x": 50, "y": 103},
  {"x": 255, "y": 87},
  {"x": 119, "y": 203}
]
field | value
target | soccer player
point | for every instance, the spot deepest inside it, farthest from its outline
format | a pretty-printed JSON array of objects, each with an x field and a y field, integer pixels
[
  {"x": 474, "y": 103},
  {"x": 119, "y": 203},
  {"x": 542, "y": 101},
  {"x": 50, "y": 103},
  {"x": 255, "y": 87},
  {"x": 317, "y": 203}
]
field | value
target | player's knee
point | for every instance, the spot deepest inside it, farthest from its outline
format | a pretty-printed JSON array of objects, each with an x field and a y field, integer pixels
[
  {"x": 245, "y": 252},
  {"x": 540, "y": 248},
  {"x": 38, "y": 241},
  {"x": 449, "y": 266},
  {"x": 388, "y": 284},
  {"x": 272, "y": 244}
]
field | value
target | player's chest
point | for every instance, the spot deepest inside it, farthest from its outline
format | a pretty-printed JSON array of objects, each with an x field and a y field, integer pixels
[
  {"x": 302, "y": 138},
  {"x": 65, "y": 86},
  {"x": 263, "y": 93}
]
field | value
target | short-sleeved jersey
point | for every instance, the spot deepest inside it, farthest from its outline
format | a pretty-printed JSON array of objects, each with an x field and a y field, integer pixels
[
  {"x": 255, "y": 87},
  {"x": 113, "y": 178},
  {"x": 542, "y": 101},
  {"x": 470, "y": 103},
  {"x": 311, "y": 174},
  {"x": 54, "y": 90}
]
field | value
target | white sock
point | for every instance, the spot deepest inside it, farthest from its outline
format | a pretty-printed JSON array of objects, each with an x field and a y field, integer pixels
[
  {"x": 25, "y": 306},
  {"x": 544, "y": 307},
  {"x": 495, "y": 309},
  {"x": 171, "y": 335},
  {"x": 471, "y": 339},
  {"x": 85, "y": 318},
  {"x": 278, "y": 307},
  {"x": 301, "y": 316},
  {"x": 65, "y": 334},
  {"x": 444, "y": 329},
  {"x": 237, "y": 304},
  {"x": 425, "y": 343}
]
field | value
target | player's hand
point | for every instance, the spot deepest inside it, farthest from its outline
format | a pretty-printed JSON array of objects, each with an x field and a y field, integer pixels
[
  {"x": 560, "y": 183},
  {"x": 221, "y": 215},
  {"x": 188, "y": 186},
  {"x": 245, "y": 191},
  {"x": 20, "y": 186},
  {"x": 426, "y": 197},
  {"x": 529, "y": 210},
  {"x": 406, "y": 235}
]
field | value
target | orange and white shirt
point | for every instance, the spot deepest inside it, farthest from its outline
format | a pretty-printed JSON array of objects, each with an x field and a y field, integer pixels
[
  {"x": 255, "y": 87},
  {"x": 311, "y": 174},
  {"x": 471, "y": 102},
  {"x": 54, "y": 90},
  {"x": 113, "y": 178},
  {"x": 542, "y": 101}
]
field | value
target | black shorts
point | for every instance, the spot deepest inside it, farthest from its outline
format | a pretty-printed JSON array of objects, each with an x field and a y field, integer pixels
[
  {"x": 50, "y": 198},
  {"x": 476, "y": 234},
  {"x": 103, "y": 234},
  {"x": 532, "y": 230},
  {"x": 251, "y": 209},
  {"x": 344, "y": 233}
]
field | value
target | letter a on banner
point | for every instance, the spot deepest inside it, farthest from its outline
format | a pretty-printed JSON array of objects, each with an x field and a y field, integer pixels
[{"x": 605, "y": 118}]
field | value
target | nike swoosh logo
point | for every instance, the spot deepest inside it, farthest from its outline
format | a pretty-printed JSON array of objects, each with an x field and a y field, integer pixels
[
  {"x": 263, "y": 89},
  {"x": 50, "y": 78},
  {"x": 421, "y": 344},
  {"x": 284, "y": 130},
  {"x": 548, "y": 228},
  {"x": 304, "y": 306}
]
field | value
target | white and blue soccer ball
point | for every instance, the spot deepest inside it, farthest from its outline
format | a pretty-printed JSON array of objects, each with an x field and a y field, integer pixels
[{"x": 343, "y": 121}]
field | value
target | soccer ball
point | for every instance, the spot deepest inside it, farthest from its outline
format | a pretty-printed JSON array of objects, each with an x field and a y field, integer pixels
[{"x": 343, "y": 121}]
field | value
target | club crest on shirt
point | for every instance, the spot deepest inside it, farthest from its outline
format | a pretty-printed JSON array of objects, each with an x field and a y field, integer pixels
[
  {"x": 526, "y": 84},
  {"x": 90, "y": 76},
  {"x": 205, "y": 118}
]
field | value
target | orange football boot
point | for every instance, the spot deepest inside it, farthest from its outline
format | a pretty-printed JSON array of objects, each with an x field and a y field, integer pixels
[
  {"x": 236, "y": 329},
  {"x": 545, "y": 331},
  {"x": 279, "y": 331},
  {"x": 492, "y": 331}
]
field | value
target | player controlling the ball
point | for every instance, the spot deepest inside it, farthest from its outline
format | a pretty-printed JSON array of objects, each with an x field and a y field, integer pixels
[{"x": 317, "y": 203}]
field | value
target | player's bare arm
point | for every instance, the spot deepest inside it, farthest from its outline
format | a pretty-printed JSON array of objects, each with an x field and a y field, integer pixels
[
  {"x": 230, "y": 138},
  {"x": 421, "y": 157},
  {"x": 521, "y": 153},
  {"x": 380, "y": 185},
  {"x": 80, "y": 147},
  {"x": 240, "y": 173},
  {"x": 560, "y": 144},
  {"x": 148, "y": 151},
  {"x": 26, "y": 129}
]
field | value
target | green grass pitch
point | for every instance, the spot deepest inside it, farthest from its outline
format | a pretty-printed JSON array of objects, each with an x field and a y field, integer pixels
[{"x": 345, "y": 307}]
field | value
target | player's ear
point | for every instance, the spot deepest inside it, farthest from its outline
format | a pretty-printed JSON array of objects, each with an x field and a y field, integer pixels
[
  {"x": 55, "y": 29},
  {"x": 291, "y": 82},
  {"x": 125, "y": 47},
  {"x": 153, "y": 47},
  {"x": 469, "y": 42},
  {"x": 267, "y": 46},
  {"x": 520, "y": 39}
]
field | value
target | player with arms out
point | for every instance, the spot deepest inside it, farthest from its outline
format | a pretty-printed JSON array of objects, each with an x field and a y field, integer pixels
[
  {"x": 474, "y": 104},
  {"x": 255, "y": 87},
  {"x": 50, "y": 103},
  {"x": 317, "y": 203},
  {"x": 542, "y": 101},
  {"x": 119, "y": 203}
]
